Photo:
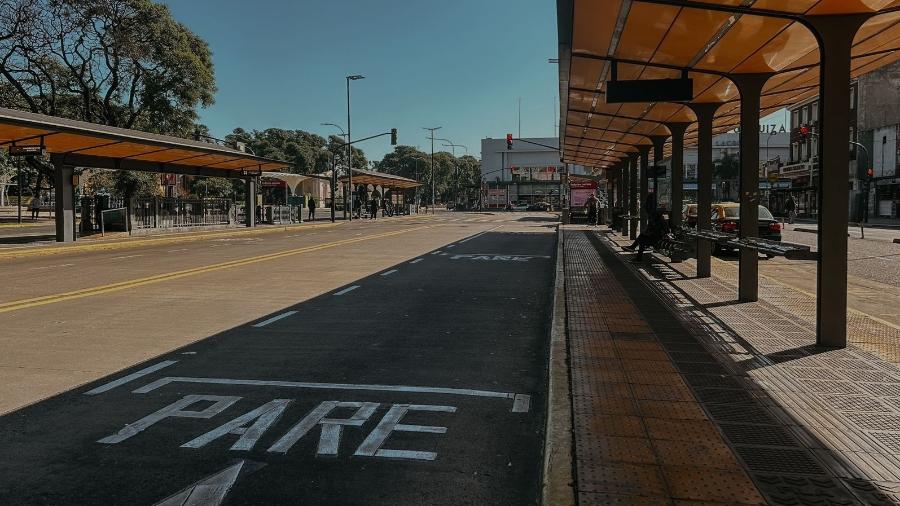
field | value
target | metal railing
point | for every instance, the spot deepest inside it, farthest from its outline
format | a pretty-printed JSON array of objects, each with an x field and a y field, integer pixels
[{"x": 176, "y": 213}]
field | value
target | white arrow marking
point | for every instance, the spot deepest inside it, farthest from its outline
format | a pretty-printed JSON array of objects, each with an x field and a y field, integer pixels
[{"x": 209, "y": 491}]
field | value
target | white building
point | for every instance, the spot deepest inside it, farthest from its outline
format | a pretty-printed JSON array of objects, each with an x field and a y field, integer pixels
[{"x": 527, "y": 173}]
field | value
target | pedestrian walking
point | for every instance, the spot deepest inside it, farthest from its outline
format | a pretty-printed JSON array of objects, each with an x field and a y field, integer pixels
[
  {"x": 593, "y": 203},
  {"x": 36, "y": 206},
  {"x": 312, "y": 208},
  {"x": 373, "y": 209},
  {"x": 790, "y": 208}
]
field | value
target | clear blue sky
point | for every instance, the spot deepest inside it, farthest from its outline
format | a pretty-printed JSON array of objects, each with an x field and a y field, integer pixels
[{"x": 459, "y": 64}]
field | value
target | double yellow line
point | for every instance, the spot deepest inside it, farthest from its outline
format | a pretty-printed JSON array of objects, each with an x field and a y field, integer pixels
[{"x": 123, "y": 285}]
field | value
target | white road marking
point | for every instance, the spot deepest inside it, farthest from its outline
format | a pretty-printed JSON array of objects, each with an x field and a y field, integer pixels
[
  {"x": 275, "y": 319},
  {"x": 177, "y": 250},
  {"x": 50, "y": 267},
  {"x": 330, "y": 438},
  {"x": 417, "y": 260},
  {"x": 521, "y": 403},
  {"x": 131, "y": 377},
  {"x": 467, "y": 239},
  {"x": 451, "y": 245},
  {"x": 371, "y": 446},
  {"x": 189, "y": 353},
  {"x": 262, "y": 417},
  {"x": 209, "y": 491},
  {"x": 125, "y": 257},
  {"x": 175, "y": 410},
  {"x": 497, "y": 258},
  {"x": 347, "y": 290},
  {"x": 438, "y": 252},
  {"x": 326, "y": 386},
  {"x": 388, "y": 273}
]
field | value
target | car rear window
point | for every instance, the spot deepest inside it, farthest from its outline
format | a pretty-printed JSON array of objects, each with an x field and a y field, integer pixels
[{"x": 735, "y": 212}]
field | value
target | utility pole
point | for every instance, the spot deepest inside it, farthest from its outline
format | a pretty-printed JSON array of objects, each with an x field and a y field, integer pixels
[
  {"x": 349, "y": 146},
  {"x": 432, "y": 130}
]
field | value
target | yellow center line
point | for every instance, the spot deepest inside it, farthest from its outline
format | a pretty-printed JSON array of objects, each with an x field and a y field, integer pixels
[{"x": 123, "y": 285}]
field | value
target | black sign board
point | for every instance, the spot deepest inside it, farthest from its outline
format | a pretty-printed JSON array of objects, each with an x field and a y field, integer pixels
[
  {"x": 650, "y": 90},
  {"x": 26, "y": 150}
]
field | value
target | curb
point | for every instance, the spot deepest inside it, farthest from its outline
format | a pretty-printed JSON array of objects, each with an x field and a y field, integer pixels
[
  {"x": 134, "y": 243},
  {"x": 558, "y": 489}
]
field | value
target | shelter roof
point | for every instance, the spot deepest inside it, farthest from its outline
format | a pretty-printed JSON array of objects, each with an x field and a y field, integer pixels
[
  {"x": 711, "y": 40},
  {"x": 382, "y": 179},
  {"x": 81, "y": 143}
]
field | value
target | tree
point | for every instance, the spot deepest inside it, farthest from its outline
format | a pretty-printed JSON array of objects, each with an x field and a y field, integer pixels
[{"x": 729, "y": 167}]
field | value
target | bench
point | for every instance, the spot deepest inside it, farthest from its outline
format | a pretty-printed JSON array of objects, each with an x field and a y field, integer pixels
[{"x": 767, "y": 247}]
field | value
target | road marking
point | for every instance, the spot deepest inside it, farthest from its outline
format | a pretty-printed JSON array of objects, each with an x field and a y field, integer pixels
[
  {"x": 467, "y": 239},
  {"x": 388, "y": 273},
  {"x": 417, "y": 260},
  {"x": 371, "y": 446},
  {"x": 131, "y": 377},
  {"x": 438, "y": 252},
  {"x": 125, "y": 257},
  {"x": 523, "y": 403},
  {"x": 177, "y": 250},
  {"x": 347, "y": 290},
  {"x": 50, "y": 267},
  {"x": 275, "y": 319},
  {"x": 499, "y": 258},
  {"x": 114, "y": 287},
  {"x": 209, "y": 491}
]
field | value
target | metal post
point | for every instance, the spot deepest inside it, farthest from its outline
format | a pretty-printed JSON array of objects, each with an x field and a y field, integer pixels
[
  {"x": 333, "y": 186},
  {"x": 645, "y": 168},
  {"x": 19, "y": 177},
  {"x": 620, "y": 192},
  {"x": 632, "y": 225},
  {"x": 750, "y": 87},
  {"x": 250, "y": 201},
  {"x": 677, "y": 181},
  {"x": 65, "y": 201},
  {"x": 705, "y": 114},
  {"x": 349, "y": 154},
  {"x": 836, "y": 35},
  {"x": 659, "y": 144}
]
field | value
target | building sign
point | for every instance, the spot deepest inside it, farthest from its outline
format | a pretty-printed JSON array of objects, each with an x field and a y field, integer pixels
[{"x": 273, "y": 183}]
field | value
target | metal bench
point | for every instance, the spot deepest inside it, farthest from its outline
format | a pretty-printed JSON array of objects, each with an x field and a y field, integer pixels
[{"x": 767, "y": 247}]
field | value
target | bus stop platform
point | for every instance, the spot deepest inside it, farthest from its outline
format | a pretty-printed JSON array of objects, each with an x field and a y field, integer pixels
[{"x": 681, "y": 395}]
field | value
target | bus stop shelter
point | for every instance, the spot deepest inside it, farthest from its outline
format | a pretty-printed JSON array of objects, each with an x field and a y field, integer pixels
[
  {"x": 69, "y": 144},
  {"x": 651, "y": 76},
  {"x": 384, "y": 180}
]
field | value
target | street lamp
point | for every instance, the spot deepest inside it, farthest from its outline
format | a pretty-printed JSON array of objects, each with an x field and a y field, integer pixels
[
  {"x": 455, "y": 164},
  {"x": 339, "y": 127},
  {"x": 349, "y": 147},
  {"x": 432, "y": 130}
]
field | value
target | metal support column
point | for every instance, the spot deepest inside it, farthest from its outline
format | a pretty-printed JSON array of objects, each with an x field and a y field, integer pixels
[
  {"x": 835, "y": 35},
  {"x": 659, "y": 144},
  {"x": 620, "y": 197},
  {"x": 611, "y": 190},
  {"x": 645, "y": 172},
  {"x": 750, "y": 87},
  {"x": 705, "y": 114},
  {"x": 677, "y": 180},
  {"x": 632, "y": 224},
  {"x": 65, "y": 201},
  {"x": 250, "y": 201}
]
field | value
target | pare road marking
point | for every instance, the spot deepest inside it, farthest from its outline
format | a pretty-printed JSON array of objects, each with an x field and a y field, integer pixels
[{"x": 497, "y": 258}]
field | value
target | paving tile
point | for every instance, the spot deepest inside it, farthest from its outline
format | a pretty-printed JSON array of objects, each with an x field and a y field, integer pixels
[
  {"x": 621, "y": 479},
  {"x": 704, "y": 484}
]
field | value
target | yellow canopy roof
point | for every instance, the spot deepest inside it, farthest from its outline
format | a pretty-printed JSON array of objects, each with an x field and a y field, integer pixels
[{"x": 711, "y": 39}]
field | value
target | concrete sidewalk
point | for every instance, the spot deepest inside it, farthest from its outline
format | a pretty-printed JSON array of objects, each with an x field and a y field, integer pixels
[{"x": 682, "y": 395}]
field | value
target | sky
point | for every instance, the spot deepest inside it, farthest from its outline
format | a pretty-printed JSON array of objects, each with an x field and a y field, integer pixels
[{"x": 462, "y": 65}]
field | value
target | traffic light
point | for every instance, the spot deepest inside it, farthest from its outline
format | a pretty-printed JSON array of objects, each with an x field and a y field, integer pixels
[
  {"x": 509, "y": 140},
  {"x": 870, "y": 172},
  {"x": 804, "y": 132},
  {"x": 393, "y": 137}
]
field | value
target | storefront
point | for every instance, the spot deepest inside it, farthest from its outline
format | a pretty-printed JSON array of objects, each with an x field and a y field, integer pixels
[{"x": 887, "y": 197}]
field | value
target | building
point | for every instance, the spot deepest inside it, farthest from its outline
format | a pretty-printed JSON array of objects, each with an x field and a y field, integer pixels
[
  {"x": 528, "y": 173},
  {"x": 878, "y": 123},
  {"x": 774, "y": 151}
]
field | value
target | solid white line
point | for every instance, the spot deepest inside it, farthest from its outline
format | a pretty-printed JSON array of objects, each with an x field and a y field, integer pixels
[
  {"x": 388, "y": 273},
  {"x": 522, "y": 401},
  {"x": 126, "y": 256},
  {"x": 275, "y": 319},
  {"x": 345, "y": 290},
  {"x": 417, "y": 260},
  {"x": 50, "y": 267},
  {"x": 131, "y": 377},
  {"x": 467, "y": 239}
]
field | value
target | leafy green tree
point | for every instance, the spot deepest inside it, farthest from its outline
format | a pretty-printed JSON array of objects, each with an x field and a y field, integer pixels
[
  {"x": 729, "y": 167},
  {"x": 214, "y": 187}
]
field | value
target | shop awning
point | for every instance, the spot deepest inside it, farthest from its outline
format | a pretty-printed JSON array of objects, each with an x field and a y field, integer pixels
[{"x": 708, "y": 39}]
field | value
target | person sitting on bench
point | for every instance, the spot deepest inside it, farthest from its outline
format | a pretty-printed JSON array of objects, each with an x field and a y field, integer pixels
[{"x": 657, "y": 228}]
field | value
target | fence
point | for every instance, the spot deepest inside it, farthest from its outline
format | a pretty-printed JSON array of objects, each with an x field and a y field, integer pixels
[{"x": 175, "y": 213}]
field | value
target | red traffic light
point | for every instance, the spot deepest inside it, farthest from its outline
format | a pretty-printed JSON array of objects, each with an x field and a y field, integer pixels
[
  {"x": 870, "y": 172},
  {"x": 804, "y": 131},
  {"x": 509, "y": 139}
]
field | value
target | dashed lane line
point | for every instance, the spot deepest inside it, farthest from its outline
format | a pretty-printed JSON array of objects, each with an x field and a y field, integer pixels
[
  {"x": 275, "y": 319},
  {"x": 388, "y": 273},
  {"x": 124, "y": 285},
  {"x": 417, "y": 260},
  {"x": 347, "y": 290}
]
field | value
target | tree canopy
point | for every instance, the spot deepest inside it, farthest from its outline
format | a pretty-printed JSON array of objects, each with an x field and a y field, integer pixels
[{"x": 408, "y": 161}]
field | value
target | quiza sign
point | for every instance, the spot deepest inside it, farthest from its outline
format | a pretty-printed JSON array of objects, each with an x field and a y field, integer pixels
[{"x": 330, "y": 418}]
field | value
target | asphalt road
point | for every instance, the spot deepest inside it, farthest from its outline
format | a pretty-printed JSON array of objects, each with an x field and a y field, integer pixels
[{"x": 414, "y": 374}]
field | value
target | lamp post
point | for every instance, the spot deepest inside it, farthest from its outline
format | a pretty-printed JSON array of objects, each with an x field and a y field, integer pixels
[
  {"x": 455, "y": 164},
  {"x": 349, "y": 147},
  {"x": 432, "y": 130}
]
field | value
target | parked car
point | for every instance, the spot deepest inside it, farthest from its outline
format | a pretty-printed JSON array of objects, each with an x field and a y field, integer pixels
[
  {"x": 726, "y": 217},
  {"x": 520, "y": 207},
  {"x": 538, "y": 206}
]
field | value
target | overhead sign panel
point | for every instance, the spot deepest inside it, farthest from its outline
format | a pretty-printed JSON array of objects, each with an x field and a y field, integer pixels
[{"x": 650, "y": 90}]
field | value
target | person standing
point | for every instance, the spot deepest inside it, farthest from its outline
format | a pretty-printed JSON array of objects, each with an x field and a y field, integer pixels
[
  {"x": 312, "y": 208},
  {"x": 373, "y": 209},
  {"x": 593, "y": 203},
  {"x": 790, "y": 208},
  {"x": 35, "y": 206}
]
